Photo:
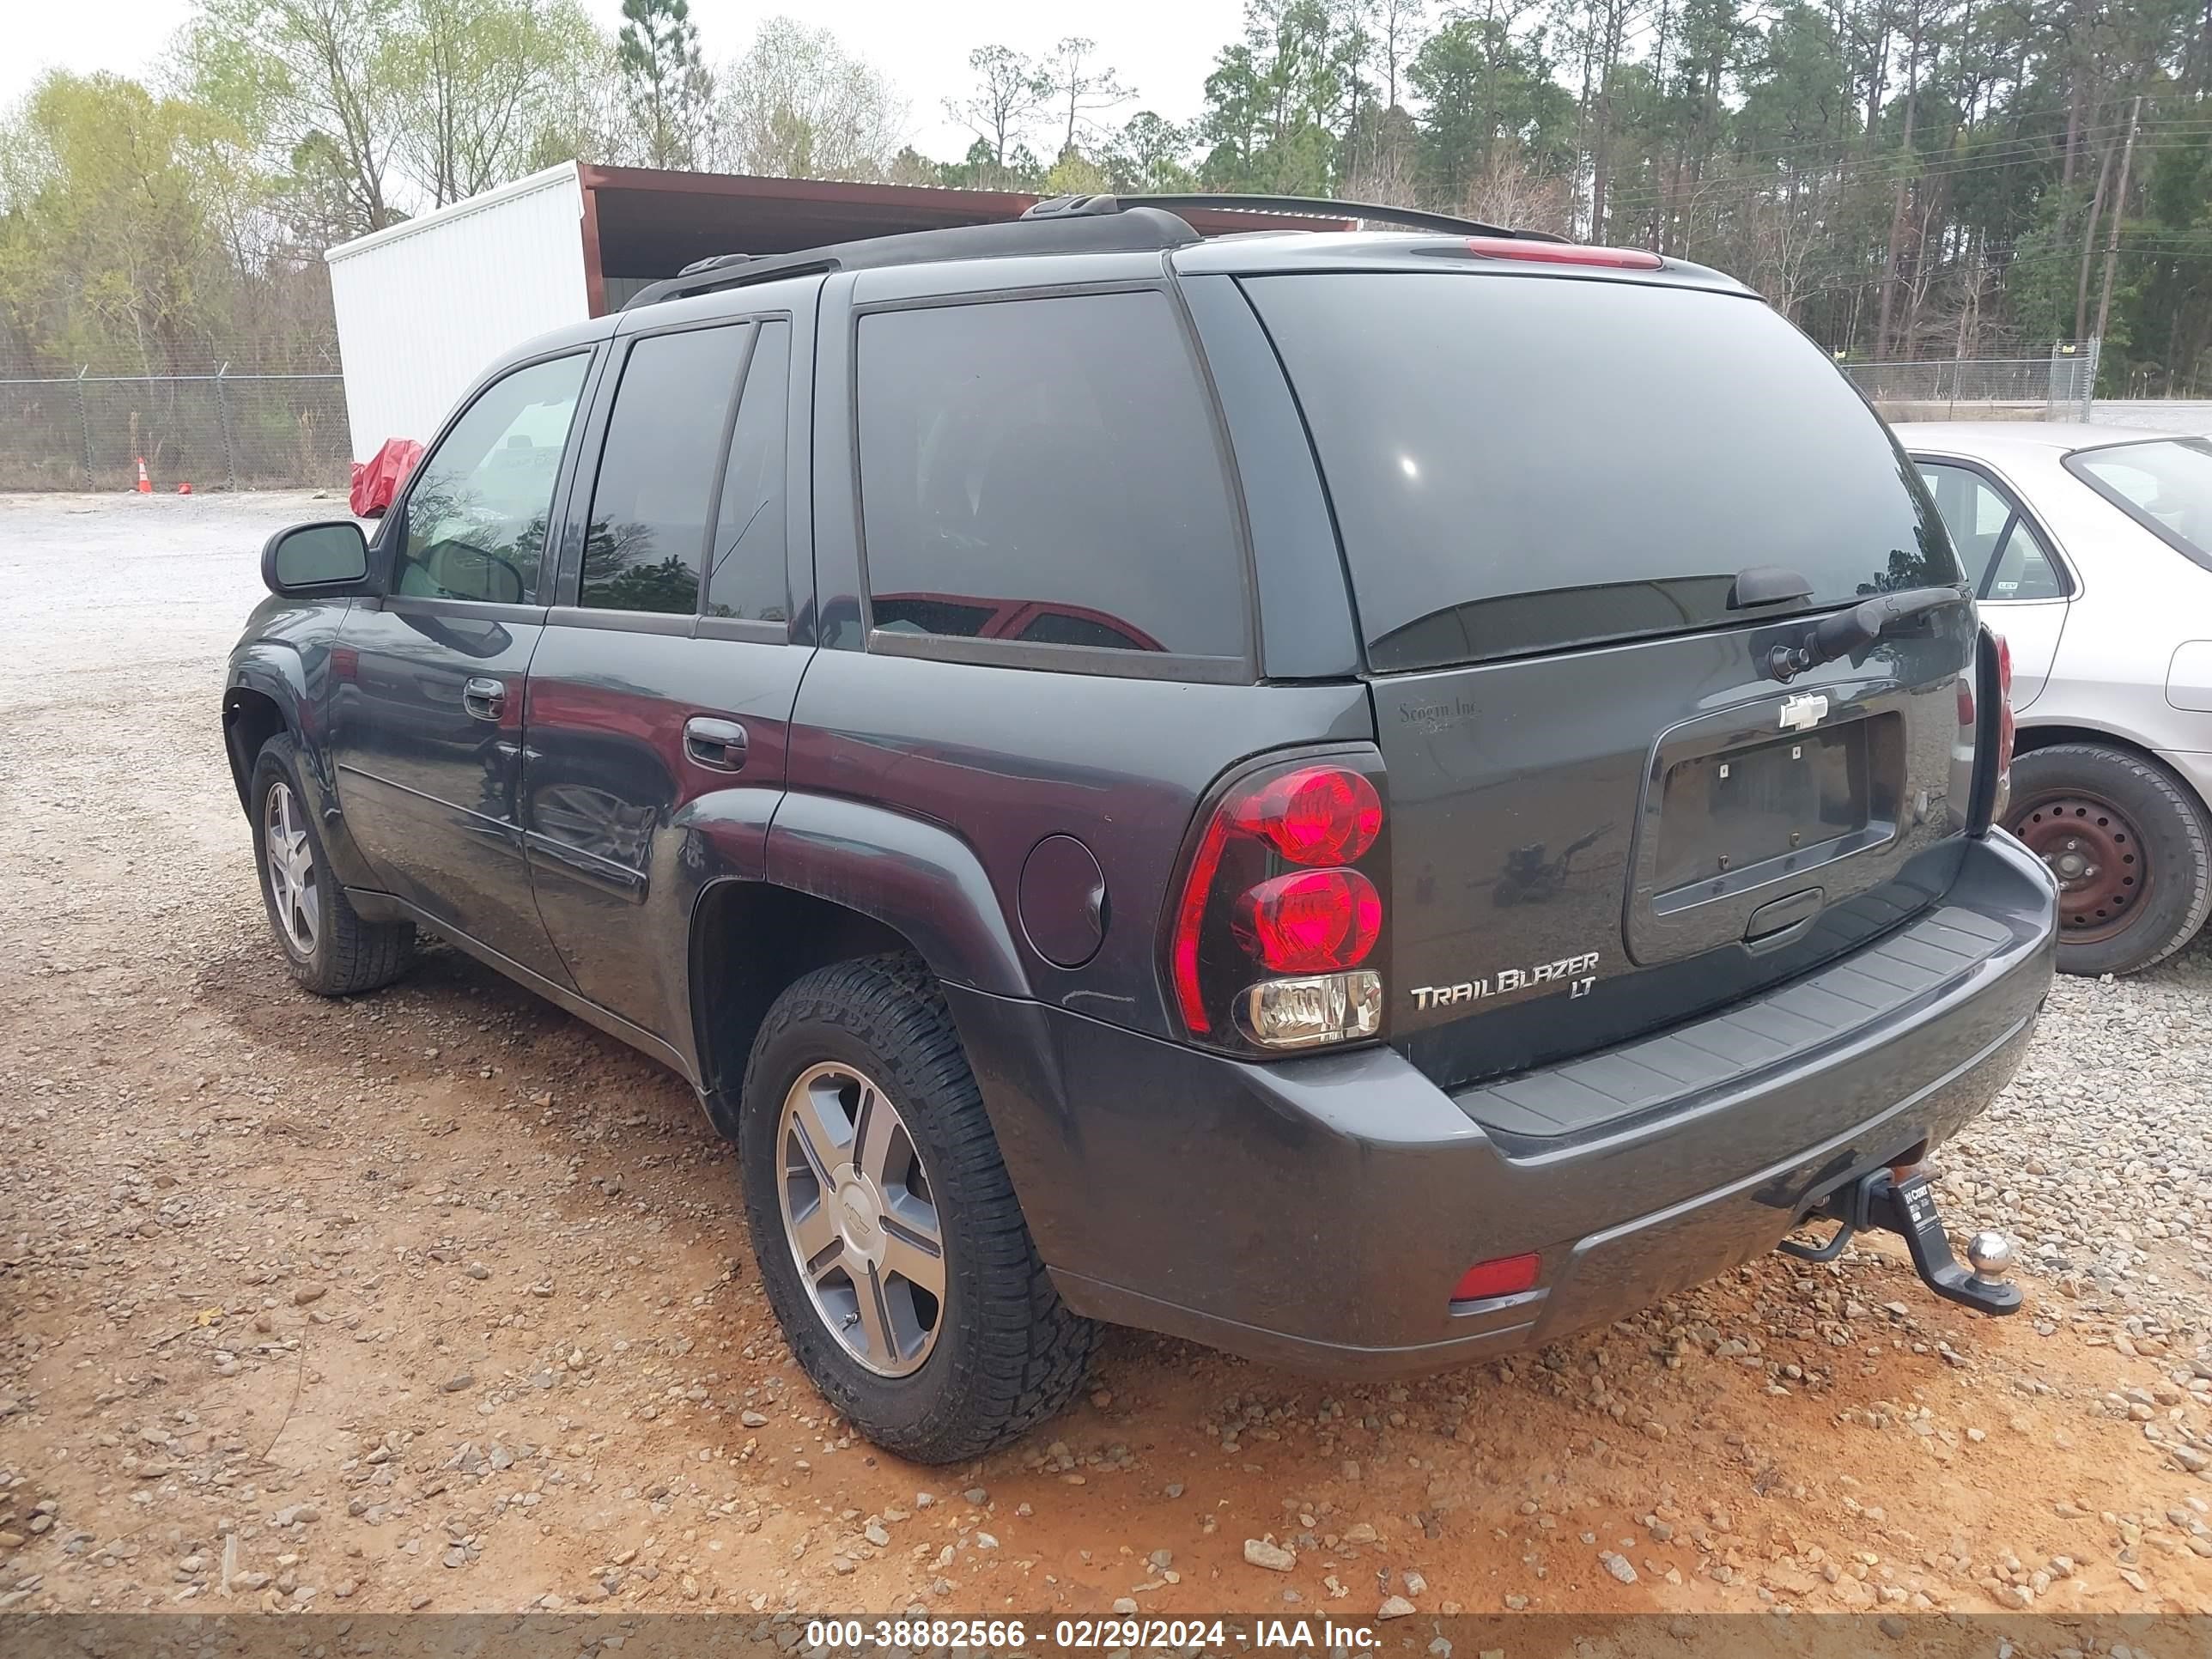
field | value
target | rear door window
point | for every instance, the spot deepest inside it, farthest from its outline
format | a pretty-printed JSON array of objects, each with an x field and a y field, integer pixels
[
  {"x": 646, "y": 544},
  {"x": 1045, "y": 472},
  {"x": 2002, "y": 555},
  {"x": 1527, "y": 463},
  {"x": 751, "y": 577}
]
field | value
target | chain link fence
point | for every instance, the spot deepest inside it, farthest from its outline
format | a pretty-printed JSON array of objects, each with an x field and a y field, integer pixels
[
  {"x": 219, "y": 431},
  {"x": 2057, "y": 387},
  {"x": 261, "y": 431}
]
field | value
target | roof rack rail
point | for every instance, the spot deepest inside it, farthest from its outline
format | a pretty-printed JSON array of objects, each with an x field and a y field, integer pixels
[
  {"x": 1060, "y": 224},
  {"x": 1316, "y": 207},
  {"x": 1141, "y": 229}
]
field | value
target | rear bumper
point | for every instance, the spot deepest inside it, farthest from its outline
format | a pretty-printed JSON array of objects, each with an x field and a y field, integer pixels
[{"x": 1317, "y": 1213}]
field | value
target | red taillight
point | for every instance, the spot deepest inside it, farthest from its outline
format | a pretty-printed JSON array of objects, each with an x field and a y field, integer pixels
[
  {"x": 1501, "y": 1275},
  {"x": 1564, "y": 253},
  {"x": 1311, "y": 922},
  {"x": 1316, "y": 815},
  {"x": 1269, "y": 890},
  {"x": 1190, "y": 924}
]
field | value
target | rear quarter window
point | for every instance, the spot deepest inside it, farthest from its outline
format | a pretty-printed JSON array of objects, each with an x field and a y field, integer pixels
[
  {"x": 1524, "y": 463},
  {"x": 2164, "y": 484},
  {"x": 1047, "y": 473}
]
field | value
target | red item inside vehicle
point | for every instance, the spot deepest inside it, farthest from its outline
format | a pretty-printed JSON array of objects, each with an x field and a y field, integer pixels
[{"x": 377, "y": 480}]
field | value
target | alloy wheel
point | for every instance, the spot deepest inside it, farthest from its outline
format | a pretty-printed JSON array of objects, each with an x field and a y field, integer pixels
[
  {"x": 860, "y": 1219},
  {"x": 294, "y": 893}
]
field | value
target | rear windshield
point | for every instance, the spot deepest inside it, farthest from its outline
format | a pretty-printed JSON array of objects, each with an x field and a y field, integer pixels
[
  {"x": 2165, "y": 485},
  {"x": 1526, "y": 463}
]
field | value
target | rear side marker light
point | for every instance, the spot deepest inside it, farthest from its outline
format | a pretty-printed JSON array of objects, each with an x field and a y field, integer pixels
[
  {"x": 1297, "y": 1014},
  {"x": 1309, "y": 921},
  {"x": 1564, "y": 253},
  {"x": 1502, "y": 1275}
]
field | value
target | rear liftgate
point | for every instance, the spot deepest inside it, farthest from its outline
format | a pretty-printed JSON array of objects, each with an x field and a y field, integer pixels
[{"x": 1883, "y": 1201}]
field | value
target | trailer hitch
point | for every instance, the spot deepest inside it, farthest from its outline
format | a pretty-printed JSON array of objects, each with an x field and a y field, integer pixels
[{"x": 1881, "y": 1202}]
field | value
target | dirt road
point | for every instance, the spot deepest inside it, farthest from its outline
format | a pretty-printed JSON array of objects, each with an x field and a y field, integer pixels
[{"x": 439, "y": 1300}]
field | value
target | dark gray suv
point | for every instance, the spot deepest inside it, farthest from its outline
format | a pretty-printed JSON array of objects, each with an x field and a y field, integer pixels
[{"x": 1368, "y": 799}]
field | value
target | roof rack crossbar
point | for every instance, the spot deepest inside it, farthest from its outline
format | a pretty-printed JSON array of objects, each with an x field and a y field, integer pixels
[{"x": 715, "y": 262}]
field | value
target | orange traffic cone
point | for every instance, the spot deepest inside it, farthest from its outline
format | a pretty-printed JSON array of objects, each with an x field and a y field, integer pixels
[
  {"x": 145, "y": 483},
  {"x": 184, "y": 489}
]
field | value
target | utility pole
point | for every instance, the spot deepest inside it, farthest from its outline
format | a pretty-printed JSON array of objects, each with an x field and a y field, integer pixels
[{"x": 2119, "y": 206}]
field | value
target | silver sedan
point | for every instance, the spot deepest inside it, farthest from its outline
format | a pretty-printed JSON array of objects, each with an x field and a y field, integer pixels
[{"x": 2092, "y": 549}]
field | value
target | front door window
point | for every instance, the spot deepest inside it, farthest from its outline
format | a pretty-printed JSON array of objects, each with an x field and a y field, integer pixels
[{"x": 478, "y": 511}]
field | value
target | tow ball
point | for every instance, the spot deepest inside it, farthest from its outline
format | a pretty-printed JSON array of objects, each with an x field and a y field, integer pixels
[{"x": 1879, "y": 1201}]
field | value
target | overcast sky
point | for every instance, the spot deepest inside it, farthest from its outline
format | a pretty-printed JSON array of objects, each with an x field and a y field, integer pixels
[{"x": 1162, "y": 48}]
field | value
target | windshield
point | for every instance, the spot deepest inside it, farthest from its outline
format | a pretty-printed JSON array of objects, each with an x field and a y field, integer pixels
[
  {"x": 1529, "y": 464},
  {"x": 2164, "y": 484}
]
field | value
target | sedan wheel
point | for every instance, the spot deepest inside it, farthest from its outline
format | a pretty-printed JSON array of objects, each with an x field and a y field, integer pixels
[
  {"x": 2096, "y": 852},
  {"x": 2127, "y": 844}
]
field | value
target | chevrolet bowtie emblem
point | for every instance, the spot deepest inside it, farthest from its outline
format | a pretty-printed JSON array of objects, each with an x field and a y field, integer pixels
[{"x": 1803, "y": 713}]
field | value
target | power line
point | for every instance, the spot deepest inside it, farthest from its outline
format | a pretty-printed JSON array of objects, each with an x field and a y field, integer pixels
[
  {"x": 1744, "y": 192},
  {"x": 2057, "y": 134},
  {"x": 1889, "y": 167}
]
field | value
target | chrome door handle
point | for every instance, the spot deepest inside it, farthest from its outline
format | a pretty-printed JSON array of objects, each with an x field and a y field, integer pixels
[
  {"x": 485, "y": 698},
  {"x": 720, "y": 745}
]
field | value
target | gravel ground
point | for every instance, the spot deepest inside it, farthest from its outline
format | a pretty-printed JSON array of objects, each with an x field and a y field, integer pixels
[{"x": 437, "y": 1299}]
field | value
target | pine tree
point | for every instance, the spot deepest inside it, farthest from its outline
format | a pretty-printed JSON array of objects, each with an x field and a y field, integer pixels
[{"x": 668, "y": 89}]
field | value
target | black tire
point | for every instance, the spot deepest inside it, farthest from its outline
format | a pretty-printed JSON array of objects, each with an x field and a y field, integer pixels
[
  {"x": 345, "y": 955},
  {"x": 1007, "y": 1353},
  {"x": 2140, "y": 830}
]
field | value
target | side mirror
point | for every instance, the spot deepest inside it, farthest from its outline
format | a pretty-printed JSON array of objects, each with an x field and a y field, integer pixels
[{"x": 316, "y": 560}]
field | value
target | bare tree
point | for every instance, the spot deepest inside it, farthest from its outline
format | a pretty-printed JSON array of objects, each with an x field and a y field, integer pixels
[
  {"x": 1079, "y": 88},
  {"x": 1388, "y": 171},
  {"x": 1605, "y": 27},
  {"x": 486, "y": 87},
  {"x": 1890, "y": 273},
  {"x": 798, "y": 106},
  {"x": 1507, "y": 192},
  {"x": 1398, "y": 25},
  {"x": 291, "y": 70},
  {"x": 1782, "y": 243},
  {"x": 1010, "y": 91}
]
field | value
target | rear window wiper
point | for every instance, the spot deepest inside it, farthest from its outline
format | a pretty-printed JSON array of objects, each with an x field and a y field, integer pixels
[{"x": 1851, "y": 630}]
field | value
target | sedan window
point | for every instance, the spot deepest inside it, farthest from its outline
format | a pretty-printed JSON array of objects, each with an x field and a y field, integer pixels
[
  {"x": 2165, "y": 484},
  {"x": 2003, "y": 555}
]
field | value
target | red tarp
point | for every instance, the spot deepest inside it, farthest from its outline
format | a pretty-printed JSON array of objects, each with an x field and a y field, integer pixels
[{"x": 377, "y": 480}]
